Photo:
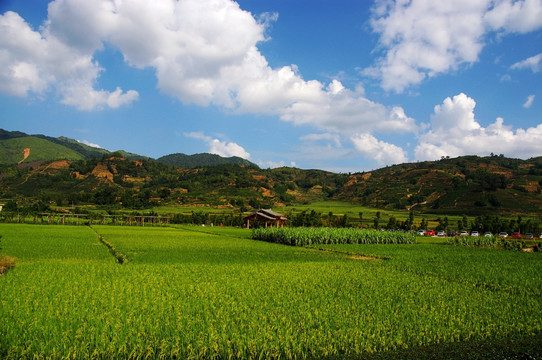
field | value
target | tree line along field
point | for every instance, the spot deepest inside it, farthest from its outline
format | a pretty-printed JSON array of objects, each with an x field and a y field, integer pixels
[
  {"x": 189, "y": 294},
  {"x": 315, "y": 214}
]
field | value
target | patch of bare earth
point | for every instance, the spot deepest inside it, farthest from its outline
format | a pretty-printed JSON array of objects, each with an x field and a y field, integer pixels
[
  {"x": 26, "y": 152},
  {"x": 79, "y": 176},
  {"x": 266, "y": 192},
  {"x": 532, "y": 186},
  {"x": 101, "y": 171},
  {"x": 58, "y": 165},
  {"x": 47, "y": 169},
  {"x": 135, "y": 179}
]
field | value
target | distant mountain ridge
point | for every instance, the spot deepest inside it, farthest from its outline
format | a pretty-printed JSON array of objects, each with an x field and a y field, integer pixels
[
  {"x": 204, "y": 159},
  {"x": 470, "y": 185},
  {"x": 46, "y": 148},
  {"x": 466, "y": 185}
]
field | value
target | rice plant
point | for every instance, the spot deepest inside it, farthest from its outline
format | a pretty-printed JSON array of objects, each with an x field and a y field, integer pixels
[{"x": 190, "y": 295}]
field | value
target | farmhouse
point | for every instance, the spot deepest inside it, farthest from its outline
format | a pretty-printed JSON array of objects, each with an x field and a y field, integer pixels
[{"x": 265, "y": 217}]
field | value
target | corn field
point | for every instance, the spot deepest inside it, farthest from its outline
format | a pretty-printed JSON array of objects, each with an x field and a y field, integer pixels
[{"x": 323, "y": 236}]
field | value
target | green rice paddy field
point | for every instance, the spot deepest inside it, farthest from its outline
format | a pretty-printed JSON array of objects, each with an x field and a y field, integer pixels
[{"x": 188, "y": 294}]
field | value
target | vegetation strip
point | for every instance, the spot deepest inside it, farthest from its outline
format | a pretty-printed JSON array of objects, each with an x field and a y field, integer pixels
[
  {"x": 321, "y": 236},
  {"x": 121, "y": 258},
  {"x": 6, "y": 262},
  {"x": 494, "y": 242}
]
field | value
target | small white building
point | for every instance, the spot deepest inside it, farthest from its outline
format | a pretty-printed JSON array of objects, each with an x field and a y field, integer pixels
[{"x": 1, "y": 206}]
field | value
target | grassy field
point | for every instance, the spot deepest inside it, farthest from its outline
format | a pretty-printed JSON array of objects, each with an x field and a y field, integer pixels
[{"x": 203, "y": 293}]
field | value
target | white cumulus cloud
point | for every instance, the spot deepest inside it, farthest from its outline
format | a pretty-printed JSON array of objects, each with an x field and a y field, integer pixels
[
  {"x": 88, "y": 143},
  {"x": 454, "y": 131},
  {"x": 34, "y": 62},
  {"x": 219, "y": 147},
  {"x": 203, "y": 52},
  {"x": 421, "y": 39},
  {"x": 274, "y": 164},
  {"x": 514, "y": 16},
  {"x": 382, "y": 152}
]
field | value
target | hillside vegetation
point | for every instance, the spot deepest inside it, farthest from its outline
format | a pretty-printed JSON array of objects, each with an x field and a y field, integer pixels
[
  {"x": 11, "y": 151},
  {"x": 465, "y": 185},
  {"x": 468, "y": 183},
  {"x": 199, "y": 160},
  {"x": 46, "y": 148},
  {"x": 43, "y": 148}
]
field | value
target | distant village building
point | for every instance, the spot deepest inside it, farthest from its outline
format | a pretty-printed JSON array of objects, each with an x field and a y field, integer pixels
[
  {"x": 1, "y": 206},
  {"x": 266, "y": 218}
]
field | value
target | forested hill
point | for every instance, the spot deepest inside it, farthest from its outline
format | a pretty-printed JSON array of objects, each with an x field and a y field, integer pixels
[
  {"x": 466, "y": 185},
  {"x": 200, "y": 160}
]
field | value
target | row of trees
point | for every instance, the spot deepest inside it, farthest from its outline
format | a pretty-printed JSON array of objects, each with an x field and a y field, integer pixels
[
  {"x": 491, "y": 223},
  {"x": 306, "y": 218}
]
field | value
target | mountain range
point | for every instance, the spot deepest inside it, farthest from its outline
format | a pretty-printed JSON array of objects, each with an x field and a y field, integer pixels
[
  {"x": 63, "y": 171},
  {"x": 18, "y": 147}
]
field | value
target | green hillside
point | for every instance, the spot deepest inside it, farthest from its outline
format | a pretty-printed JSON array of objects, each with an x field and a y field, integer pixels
[
  {"x": 197, "y": 160},
  {"x": 85, "y": 150},
  {"x": 12, "y": 144},
  {"x": 467, "y": 184},
  {"x": 11, "y": 150}
]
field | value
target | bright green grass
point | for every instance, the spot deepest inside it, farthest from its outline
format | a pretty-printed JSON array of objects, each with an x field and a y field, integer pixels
[
  {"x": 180, "y": 246},
  {"x": 11, "y": 150},
  {"x": 218, "y": 230},
  {"x": 517, "y": 272},
  {"x": 187, "y": 294},
  {"x": 44, "y": 243}
]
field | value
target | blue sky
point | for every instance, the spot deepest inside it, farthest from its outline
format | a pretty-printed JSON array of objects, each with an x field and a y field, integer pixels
[{"x": 343, "y": 86}]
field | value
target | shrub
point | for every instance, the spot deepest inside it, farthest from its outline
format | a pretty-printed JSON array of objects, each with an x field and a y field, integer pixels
[{"x": 6, "y": 262}]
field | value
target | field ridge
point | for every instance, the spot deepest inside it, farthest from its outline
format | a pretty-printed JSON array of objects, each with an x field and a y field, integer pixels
[{"x": 121, "y": 258}]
